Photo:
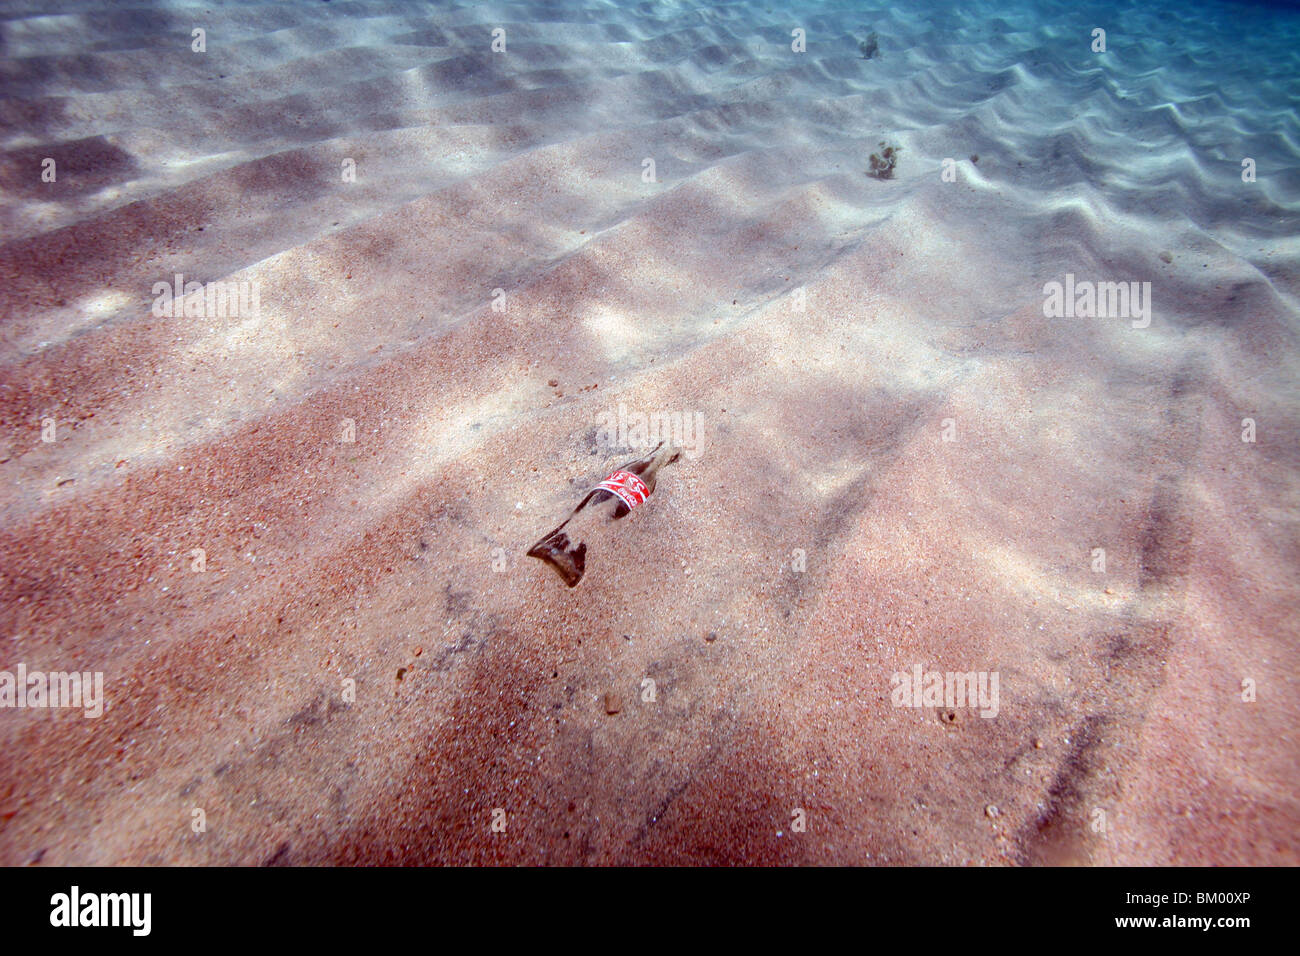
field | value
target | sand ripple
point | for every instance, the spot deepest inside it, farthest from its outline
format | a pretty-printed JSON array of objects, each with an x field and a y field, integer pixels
[{"x": 826, "y": 327}]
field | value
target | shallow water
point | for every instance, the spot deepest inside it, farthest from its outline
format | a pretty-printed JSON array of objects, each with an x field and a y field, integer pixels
[{"x": 1025, "y": 408}]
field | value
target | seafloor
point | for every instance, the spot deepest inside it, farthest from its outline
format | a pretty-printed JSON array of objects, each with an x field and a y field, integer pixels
[{"x": 903, "y": 462}]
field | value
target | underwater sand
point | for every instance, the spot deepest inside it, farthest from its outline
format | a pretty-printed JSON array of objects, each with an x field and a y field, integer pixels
[{"x": 481, "y": 682}]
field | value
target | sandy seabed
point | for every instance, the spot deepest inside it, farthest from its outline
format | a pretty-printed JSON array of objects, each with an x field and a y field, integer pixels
[{"x": 902, "y": 462}]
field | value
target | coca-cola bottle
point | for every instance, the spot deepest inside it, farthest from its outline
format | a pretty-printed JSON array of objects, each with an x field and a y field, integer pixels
[{"x": 565, "y": 548}]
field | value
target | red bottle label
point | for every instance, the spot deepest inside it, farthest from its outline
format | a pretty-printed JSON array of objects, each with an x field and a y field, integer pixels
[{"x": 629, "y": 488}]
